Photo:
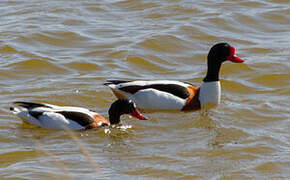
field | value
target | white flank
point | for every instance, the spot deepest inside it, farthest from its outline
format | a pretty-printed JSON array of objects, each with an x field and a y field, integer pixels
[
  {"x": 53, "y": 120},
  {"x": 152, "y": 99},
  {"x": 210, "y": 94}
]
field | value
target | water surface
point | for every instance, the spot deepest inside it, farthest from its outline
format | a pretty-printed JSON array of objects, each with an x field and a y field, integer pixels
[{"x": 63, "y": 51}]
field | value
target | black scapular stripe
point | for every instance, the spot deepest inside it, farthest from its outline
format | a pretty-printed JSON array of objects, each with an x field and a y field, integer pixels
[
  {"x": 174, "y": 89},
  {"x": 30, "y": 105},
  {"x": 35, "y": 114},
  {"x": 79, "y": 117}
]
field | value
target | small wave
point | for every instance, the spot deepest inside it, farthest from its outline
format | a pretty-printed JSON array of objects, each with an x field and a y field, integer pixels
[
  {"x": 165, "y": 43},
  {"x": 145, "y": 63},
  {"x": 7, "y": 49},
  {"x": 83, "y": 66},
  {"x": 63, "y": 39},
  {"x": 272, "y": 80},
  {"x": 36, "y": 66}
]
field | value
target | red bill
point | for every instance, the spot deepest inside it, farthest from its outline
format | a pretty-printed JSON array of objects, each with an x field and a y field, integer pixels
[
  {"x": 232, "y": 57},
  {"x": 136, "y": 113}
]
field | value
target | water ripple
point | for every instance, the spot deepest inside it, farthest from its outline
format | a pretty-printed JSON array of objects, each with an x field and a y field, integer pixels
[{"x": 63, "y": 51}]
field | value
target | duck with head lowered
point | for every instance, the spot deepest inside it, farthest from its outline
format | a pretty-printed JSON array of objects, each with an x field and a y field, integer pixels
[
  {"x": 177, "y": 95},
  {"x": 67, "y": 117}
]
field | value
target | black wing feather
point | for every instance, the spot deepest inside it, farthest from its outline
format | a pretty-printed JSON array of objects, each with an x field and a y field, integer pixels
[
  {"x": 30, "y": 105},
  {"x": 174, "y": 89},
  {"x": 115, "y": 82},
  {"x": 79, "y": 117}
]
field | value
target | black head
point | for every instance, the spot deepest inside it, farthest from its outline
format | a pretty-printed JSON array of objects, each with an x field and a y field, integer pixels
[
  {"x": 123, "y": 106},
  {"x": 218, "y": 54},
  {"x": 221, "y": 52}
]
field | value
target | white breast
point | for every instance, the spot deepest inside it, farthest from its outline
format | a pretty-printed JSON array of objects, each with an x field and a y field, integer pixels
[{"x": 210, "y": 93}]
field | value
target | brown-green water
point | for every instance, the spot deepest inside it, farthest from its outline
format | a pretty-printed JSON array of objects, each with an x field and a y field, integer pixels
[{"x": 62, "y": 51}]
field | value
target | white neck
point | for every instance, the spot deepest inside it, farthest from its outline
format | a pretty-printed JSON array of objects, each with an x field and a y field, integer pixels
[{"x": 210, "y": 94}]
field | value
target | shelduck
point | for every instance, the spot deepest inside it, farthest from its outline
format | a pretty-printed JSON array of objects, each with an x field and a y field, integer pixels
[
  {"x": 68, "y": 117},
  {"x": 176, "y": 95}
]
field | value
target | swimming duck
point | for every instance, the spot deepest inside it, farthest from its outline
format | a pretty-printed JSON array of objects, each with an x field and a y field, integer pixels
[
  {"x": 68, "y": 117},
  {"x": 176, "y": 95}
]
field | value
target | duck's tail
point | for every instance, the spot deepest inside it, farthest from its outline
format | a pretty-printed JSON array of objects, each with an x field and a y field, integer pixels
[
  {"x": 14, "y": 110},
  {"x": 114, "y": 82}
]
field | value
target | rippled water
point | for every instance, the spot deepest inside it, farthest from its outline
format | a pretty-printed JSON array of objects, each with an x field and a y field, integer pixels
[{"x": 62, "y": 51}]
